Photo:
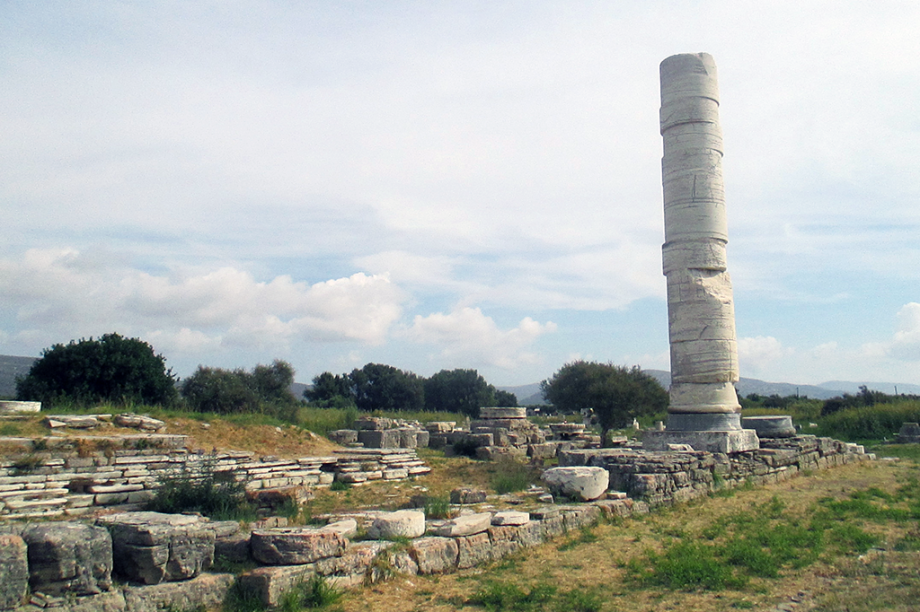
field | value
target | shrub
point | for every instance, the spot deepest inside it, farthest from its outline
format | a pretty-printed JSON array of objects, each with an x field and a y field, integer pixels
[
  {"x": 215, "y": 494},
  {"x": 265, "y": 389},
  {"x": 870, "y": 422},
  {"x": 111, "y": 369},
  {"x": 509, "y": 476}
]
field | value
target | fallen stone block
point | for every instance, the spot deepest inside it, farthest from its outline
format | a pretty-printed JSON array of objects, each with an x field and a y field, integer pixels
[
  {"x": 14, "y": 571},
  {"x": 344, "y": 436},
  {"x": 346, "y": 527},
  {"x": 510, "y": 517},
  {"x": 399, "y": 524},
  {"x": 137, "y": 421},
  {"x": 206, "y": 591},
  {"x": 66, "y": 557},
  {"x": 295, "y": 545},
  {"x": 465, "y": 525},
  {"x": 150, "y": 547},
  {"x": 577, "y": 482},
  {"x": 467, "y": 496}
]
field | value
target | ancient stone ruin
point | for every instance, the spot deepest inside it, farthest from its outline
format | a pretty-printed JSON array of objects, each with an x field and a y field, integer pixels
[{"x": 704, "y": 411}]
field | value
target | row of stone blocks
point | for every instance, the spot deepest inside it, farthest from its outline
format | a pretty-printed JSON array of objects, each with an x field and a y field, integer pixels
[
  {"x": 164, "y": 558},
  {"x": 678, "y": 476},
  {"x": 78, "y": 479}
]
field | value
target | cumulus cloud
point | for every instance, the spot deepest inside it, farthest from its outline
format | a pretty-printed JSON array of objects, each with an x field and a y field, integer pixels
[
  {"x": 466, "y": 335},
  {"x": 69, "y": 291},
  {"x": 758, "y": 352},
  {"x": 906, "y": 342}
]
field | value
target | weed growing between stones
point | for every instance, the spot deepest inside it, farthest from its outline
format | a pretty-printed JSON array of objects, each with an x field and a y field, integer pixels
[
  {"x": 437, "y": 507},
  {"x": 339, "y": 485},
  {"x": 216, "y": 495},
  {"x": 242, "y": 599},
  {"x": 26, "y": 464},
  {"x": 509, "y": 476}
]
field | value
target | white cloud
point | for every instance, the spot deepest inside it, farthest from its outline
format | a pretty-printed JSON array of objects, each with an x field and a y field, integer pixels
[
  {"x": 906, "y": 342},
  {"x": 467, "y": 336},
  {"x": 70, "y": 293},
  {"x": 759, "y": 352}
]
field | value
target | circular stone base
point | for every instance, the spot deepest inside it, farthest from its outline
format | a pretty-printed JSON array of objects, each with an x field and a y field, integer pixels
[
  {"x": 704, "y": 421},
  {"x": 773, "y": 426}
]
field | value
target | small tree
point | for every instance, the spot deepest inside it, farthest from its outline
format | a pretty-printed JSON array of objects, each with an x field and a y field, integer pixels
[
  {"x": 383, "y": 387},
  {"x": 111, "y": 369},
  {"x": 616, "y": 393},
  {"x": 463, "y": 391},
  {"x": 265, "y": 389},
  {"x": 331, "y": 391}
]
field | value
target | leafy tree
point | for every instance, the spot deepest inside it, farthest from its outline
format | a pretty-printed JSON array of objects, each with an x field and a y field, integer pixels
[
  {"x": 331, "y": 390},
  {"x": 111, "y": 369},
  {"x": 265, "y": 389},
  {"x": 505, "y": 398},
  {"x": 616, "y": 393},
  {"x": 383, "y": 387},
  {"x": 463, "y": 391}
]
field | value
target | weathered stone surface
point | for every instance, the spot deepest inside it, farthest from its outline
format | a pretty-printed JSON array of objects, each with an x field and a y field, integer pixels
[
  {"x": 112, "y": 601},
  {"x": 465, "y": 525},
  {"x": 434, "y": 555},
  {"x": 580, "y": 483},
  {"x": 542, "y": 451},
  {"x": 12, "y": 407},
  {"x": 138, "y": 421},
  {"x": 233, "y": 548},
  {"x": 511, "y": 517},
  {"x": 295, "y": 545},
  {"x": 502, "y": 412},
  {"x": 770, "y": 426},
  {"x": 207, "y": 590},
  {"x": 467, "y": 496},
  {"x": 344, "y": 436},
  {"x": 69, "y": 558},
  {"x": 270, "y": 583},
  {"x": 14, "y": 571},
  {"x": 346, "y": 528},
  {"x": 474, "y": 550},
  {"x": 440, "y": 426},
  {"x": 399, "y": 524},
  {"x": 150, "y": 547},
  {"x": 379, "y": 438}
]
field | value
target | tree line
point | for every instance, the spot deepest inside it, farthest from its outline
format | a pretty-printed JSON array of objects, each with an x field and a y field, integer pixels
[{"x": 118, "y": 370}]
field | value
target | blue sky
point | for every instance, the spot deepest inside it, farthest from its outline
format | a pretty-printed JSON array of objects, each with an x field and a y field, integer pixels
[{"x": 451, "y": 184}]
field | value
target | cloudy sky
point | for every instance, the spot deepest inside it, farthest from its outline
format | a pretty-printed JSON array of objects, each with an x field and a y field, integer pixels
[{"x": 451, "y": 184}]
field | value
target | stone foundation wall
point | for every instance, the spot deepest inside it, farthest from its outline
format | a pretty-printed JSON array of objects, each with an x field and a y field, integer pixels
[
  {"x": 75, "y": 476},
  {"x": 677, "y": 476}
]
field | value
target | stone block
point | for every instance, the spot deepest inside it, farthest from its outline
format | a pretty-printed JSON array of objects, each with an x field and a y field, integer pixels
[
  {"x": 269, "y": 584},
  {"x": 474, "y": 550},
  {"x": 434, "y": 555},
  {"x": 383, "y": 438},
  {"x": 295, "y": 545},
  {"x": 69, "y": 557},
  {"x": 207, "y": 591},
  {"x": 14, "y": 571},
  {"x": 770, "y": 426},
  {"x": 112, "y": 601},
  {"x": 150, "y": 547},
  {"x": 465, "y": 525},
  {"x": 467, "y": 496},
  {"x": 579, "y": 483},
  {"x": 502, "y": 412},
  {"x": 233, "y": 548},
  {"x": 510, "y": 517},
  {"x": 440, "y": 426},
  {"x": 422, "y": 438},
  {"x": 344, "y": 436},
  {"x": 542, "y": 451},
  {"x": 399, "y": 524}
]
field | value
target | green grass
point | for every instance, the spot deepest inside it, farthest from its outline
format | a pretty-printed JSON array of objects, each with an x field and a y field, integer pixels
[
  {"x": 509, "y": 476},
  {"x": 216, "y": 495}
]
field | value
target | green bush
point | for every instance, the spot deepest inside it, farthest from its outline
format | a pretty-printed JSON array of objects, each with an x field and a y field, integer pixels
[
  {"x": 214, "y": 494},
  {"x": 870, "y": 422},
  {"x": 111, "y": 369},
  {"x": 266, "y": 390},
  {"x": 509, "y": 476}
]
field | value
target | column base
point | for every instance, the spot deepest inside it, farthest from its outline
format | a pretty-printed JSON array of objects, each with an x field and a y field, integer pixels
[{"x": 734, "y": 441}]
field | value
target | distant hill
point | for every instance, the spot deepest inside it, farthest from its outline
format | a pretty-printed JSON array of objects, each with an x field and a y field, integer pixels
[{"x": 10, "y": 368}]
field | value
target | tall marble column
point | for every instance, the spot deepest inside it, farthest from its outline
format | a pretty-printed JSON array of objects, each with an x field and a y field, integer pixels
[{"x": 704, "y": 410}]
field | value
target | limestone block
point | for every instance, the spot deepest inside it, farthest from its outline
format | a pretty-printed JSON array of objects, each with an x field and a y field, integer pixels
[
  {"x": 467, "y": 496},
  {"x": 501, "y": 412},
  {"x": 233, "y": 548},
  {"x": 491, "y": 453},
  {"x": 207, "y": 591},
  {"x": 139, "y": 422},
  {"x": 399, "y": 524},
  {"x": 112, "y": 601},
  {"x": 480, "y": 439},
  {"x": 422, "y": 438},
  {"x": 474, "y": 550},
  {"x": 295, "y": 545},
  {"x": 440, "y": 426},
  {"x": 542, "y": 451},
  {"x": 344, "y": 436},
  {"x": 552, "y": 526},
  {"x": 346, "y": 527},
  {"x": 385, "y": 438},
  {"x": 12, "y": 407},
  {"x": 434, "y": 555},
  {"x": 465, "y": 525},
  {"x": 510, "y": 517},
  {"x": 14, "y": 571},
  {"x": 408, "y": 437},
  {"x": 369, "y": 423},
  {"x": 269, "y": 584},
  {"x": 770, "y": 426},
  {"x": 69, "y": 558},
  {"x": 503, "y": 540},
  {"x": 581, "y": 483},
  {"x": 150, "y": 547}
]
